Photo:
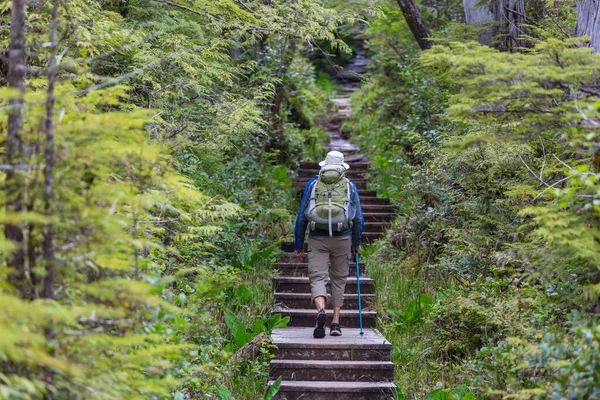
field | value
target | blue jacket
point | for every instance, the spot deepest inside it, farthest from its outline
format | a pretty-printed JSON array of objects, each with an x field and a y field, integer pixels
[{"x": 358, "y": 222}]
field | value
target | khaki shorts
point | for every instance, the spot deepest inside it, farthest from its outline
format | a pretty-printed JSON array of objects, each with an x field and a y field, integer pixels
[{"x": 328, "y": 262}]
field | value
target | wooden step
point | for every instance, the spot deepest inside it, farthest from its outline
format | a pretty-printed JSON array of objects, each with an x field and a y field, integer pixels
[
  {"x": 300, "y": 284},
  {"x": 297, "y": 268},
  {"x": 371, "y": 200},
  {"x": 306, "y": 317},
  {"x": 378, "y": 217},
  {"x": 307, "y": 390},
  {"x": 326, "y": 370},
  {"x": 298, "y": 344},
  {"x": 371, "y": 193},
  {"x": 303, "y": 300},
  {"x": 377, "y": 208},
  {"x": 370, "y": 237},
  {"x": 376, "y": 226},
  {"x": 367, "y": 237}
]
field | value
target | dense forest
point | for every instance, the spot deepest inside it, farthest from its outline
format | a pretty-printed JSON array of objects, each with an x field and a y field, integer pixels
[{"x": 148, "y": 152}]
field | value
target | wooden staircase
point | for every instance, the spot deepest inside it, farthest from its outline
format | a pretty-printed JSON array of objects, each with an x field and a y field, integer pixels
[{"x": 350, "y": 367}]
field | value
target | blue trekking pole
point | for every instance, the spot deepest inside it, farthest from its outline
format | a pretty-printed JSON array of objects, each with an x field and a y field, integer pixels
[{"x": 359, "y": 302}]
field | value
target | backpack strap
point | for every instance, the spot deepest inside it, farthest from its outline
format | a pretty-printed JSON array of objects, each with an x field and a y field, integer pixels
[
  {"x": 329, "y": 199},
  {"x": 347, "y": 208},
  {"x": 314, "y": 189}
]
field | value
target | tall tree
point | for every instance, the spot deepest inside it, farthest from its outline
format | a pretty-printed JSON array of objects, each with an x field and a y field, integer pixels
[
  {"x": 476, "y": 14},
  {"x": 415, "y": 22},
  {"x": 506, "y": 20},
  {"x": 588, "y": 21},
  {"x": 510, "y": 14},
  {"x": 14, "y": 142}
]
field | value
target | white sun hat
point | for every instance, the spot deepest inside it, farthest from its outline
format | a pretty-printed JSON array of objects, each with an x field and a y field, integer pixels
[{"x": 334, "y": 158}]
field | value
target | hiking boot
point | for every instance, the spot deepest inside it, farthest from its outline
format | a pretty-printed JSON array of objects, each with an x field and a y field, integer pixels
[
  {"x": 335, "y": 330},
  {"x": 319, "y": 332}
]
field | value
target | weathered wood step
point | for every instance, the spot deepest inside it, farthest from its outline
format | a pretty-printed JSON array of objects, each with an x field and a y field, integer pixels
[
  {"x": 363, "y": 193},
  {"x": 367, "y": 237},
  {"x": 298, "y": 268},
  {"x": 372, "y": 200},
  {"x": 370, "y": 237},
  {"x": 378, "y": 217},
  {"x": 307, "y": 317},
  {"x": 303, "y": 300},
  {"x": 306, "y": 390},
  {"x": 377, "y": 208},
  {"x": 376, "y": 226},
  {"x": 339, "y": 371},
  {"x": 300, "y": 284},
  {"x": 298, "y": 344}
]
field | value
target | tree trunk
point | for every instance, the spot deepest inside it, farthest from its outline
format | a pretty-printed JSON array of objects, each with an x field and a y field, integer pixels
[
  {"x": 588, "y": 21},
  {"x": 511, "y": 16},
  {"x": 415, "y": 22},
  {"x": 14, "y": 144},
  {"x": 506, "y": 19},
  {"x": 250, "y": 350},
  {"x": 481, "y": 15}
]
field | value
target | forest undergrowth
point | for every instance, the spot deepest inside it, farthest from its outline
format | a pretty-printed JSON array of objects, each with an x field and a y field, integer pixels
[
  {"x": 487, "y": 282},
  {"x": 148, "y": 153}
]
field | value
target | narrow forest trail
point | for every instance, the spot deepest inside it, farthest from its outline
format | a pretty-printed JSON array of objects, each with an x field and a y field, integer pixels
[{"x": 349, "y": 367}]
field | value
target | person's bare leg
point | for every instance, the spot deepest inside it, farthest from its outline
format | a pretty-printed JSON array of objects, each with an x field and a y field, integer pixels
[
  {"x": 336, "y": 315},
  {"x": 320, "y": 303}
]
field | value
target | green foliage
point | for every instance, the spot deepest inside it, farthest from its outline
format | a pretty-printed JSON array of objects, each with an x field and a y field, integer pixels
[
  {"x": 489, "y": 157},
  {"x": 459, "y": 393},
  {"x": 168, "y": 200},
  {"x": 242, "y": 335},
  {"x": 414, "y": 312}
]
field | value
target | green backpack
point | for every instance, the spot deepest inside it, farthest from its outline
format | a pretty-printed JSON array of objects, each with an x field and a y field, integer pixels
[{"x": 329, "y": 202}]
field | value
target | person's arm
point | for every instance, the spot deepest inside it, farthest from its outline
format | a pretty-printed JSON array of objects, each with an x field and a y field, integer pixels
[
  {"x": 301, "y": 220},
  {"x": 358, "y": 222}
]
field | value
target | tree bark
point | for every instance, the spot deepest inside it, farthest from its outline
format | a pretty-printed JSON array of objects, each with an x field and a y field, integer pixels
[
  {"x": 14, "y": 144},
  {"x": 510, "y": 14},
  {"x": 480, "y": 15},
  {"x": 415, "y": 22},
  {"x": 250, "y": 350},
  {"x": 588, "y": 21},
  {"x": 506, "y": 19}
]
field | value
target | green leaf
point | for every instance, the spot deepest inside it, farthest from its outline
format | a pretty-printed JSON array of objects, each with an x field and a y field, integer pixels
[
  {"x": 224, "y": 393},
  {"x": 272, "y": 391},
  {"x": 460, "y": 391}
]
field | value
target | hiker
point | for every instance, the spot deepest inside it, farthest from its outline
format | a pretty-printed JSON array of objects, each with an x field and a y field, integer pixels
[{"x": 330, "y": 208}]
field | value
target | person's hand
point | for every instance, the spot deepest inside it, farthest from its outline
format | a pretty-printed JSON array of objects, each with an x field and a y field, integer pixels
[
  {"x": 357, "y": 250},
  {"x": 299, "y": 254}
]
